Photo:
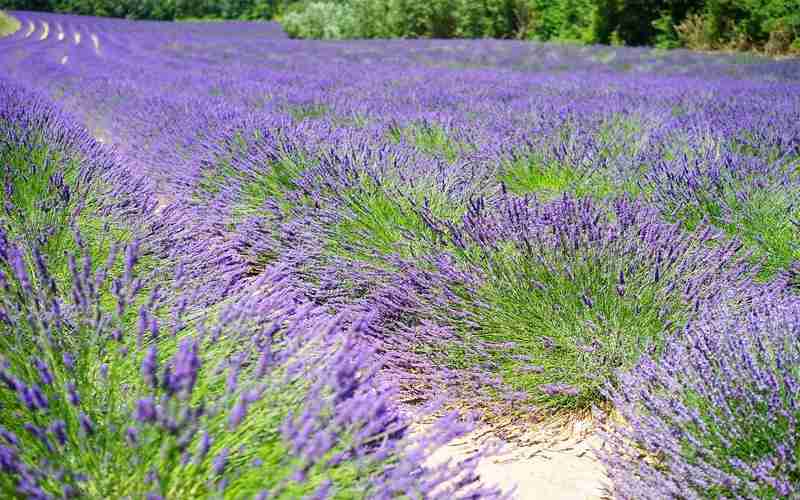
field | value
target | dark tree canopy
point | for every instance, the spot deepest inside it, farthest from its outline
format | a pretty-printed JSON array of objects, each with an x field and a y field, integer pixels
[{"x": 773, "y": 25}]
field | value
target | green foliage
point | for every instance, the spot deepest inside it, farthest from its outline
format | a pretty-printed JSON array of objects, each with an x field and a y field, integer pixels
[
  {"x": 666, "y": 36},
  {"x": 567, "y": 19},
  {"x": 758, "y": 208},
  {"x": 274, "y": 183},
  {"x": 634, "y": 20},
  {"x": 550, "y": 180},
  {"x": 762, "y": 220},
  {"x": 431, "y": 139},
  {"x": 43, "y": 186},
  {"x": 49, "y": 199},
  {"x": 106, "y": 374},
  {"x": 373, "y": 19},
  {"x": 386, "y": 218},
  {"x": 327, "y": 20},
  {"x": 159, "y": 9},
  {"x": 8, "y": 24},
  {"x": 561, "y": 19},
  {"x": 769, "y": 25},
  {"x": 547, "y": 178}
]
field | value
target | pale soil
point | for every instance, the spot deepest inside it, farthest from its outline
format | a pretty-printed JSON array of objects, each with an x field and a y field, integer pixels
[{"x": 550, "y": 461}]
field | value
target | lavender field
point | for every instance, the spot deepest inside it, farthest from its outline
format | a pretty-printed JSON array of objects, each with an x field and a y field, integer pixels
[{"x": 235, "y": 265}]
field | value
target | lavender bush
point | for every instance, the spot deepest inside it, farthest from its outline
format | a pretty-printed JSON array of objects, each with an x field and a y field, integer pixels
[
  {"x": 716, "y": 415},
  {"x": 748, "y": 198},
  {"x": 581, "y": 289},
  {"x": 115, "y": 383},
  {"x": 268, "y": 398}
]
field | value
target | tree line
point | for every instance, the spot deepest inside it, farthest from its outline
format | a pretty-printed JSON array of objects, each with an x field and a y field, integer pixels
[
  {"x": 769, "y": 25},
  {"x": 165, "y": 10}
]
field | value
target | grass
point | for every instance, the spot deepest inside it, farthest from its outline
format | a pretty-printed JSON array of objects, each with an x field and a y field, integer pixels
[
  {"x": 567, "y": 320},
  {"x": 276, "y": 181},
  {"x": 535, "y": 173},
  {"x": 8, "y": 24},
  {"x": 550, "y": 180},
  {"x": 430, "y": 139},
  {"x": 386, "y": 218},
  {"x": 308, "y": 111}
]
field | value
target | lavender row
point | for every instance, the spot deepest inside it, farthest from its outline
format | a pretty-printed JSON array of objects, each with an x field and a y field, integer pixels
[
  {"x": 124, "y": 374},
  {"x": 522, "y": 227}
]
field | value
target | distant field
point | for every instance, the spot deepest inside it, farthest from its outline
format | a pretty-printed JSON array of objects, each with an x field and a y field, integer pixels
[{"x": 236, "y": 265}]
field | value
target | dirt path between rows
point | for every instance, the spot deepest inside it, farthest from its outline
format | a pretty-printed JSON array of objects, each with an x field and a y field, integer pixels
[{"x": 554, "y": 461}]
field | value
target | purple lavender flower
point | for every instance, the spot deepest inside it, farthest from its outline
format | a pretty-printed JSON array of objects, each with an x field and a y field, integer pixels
[
  {"x": 132, "y": 436},
  {"x": 150, "y": 366},
  {"x": 564, "y": 389},
  {"x": 184, "y": 368},
  {"x": 69, "y": 361},
  {"x": 220, "y": 462},
  {"x": 72, "y": 394},
  {"x": 59, "y": 430},
  {"x": 86, "y": 424},
  {"x": 203, "y": 447},
  {"x": 232, "y": 188},
  {"x": 716, "y": 413},
  {"x": 145, "y": 410},
  {"x": 45, "y": 375}
]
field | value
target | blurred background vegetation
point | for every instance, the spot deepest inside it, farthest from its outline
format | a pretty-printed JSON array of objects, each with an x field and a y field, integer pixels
[{"x": 770, "y": 26}]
